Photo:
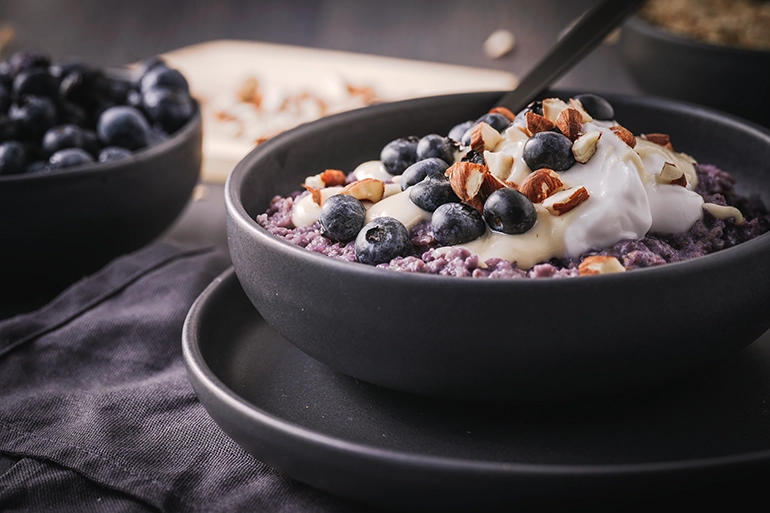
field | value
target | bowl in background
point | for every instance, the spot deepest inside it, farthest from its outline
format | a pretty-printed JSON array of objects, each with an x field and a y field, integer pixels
[
  {"x": 506, "y": 341},
  {"x": 727, "y": 78},
  {"x": 60, "y": 226}
]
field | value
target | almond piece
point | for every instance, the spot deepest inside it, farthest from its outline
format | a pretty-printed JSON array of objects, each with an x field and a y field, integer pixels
[
  {"x": 564, "y": 201},
  {"x": 489, "y": 185},
  {"x": 540, "y": 185},
  {"x": 369, "y": 189},
  {"x": 584, "y": 146},
  {"x": 333, "y": 177},
  {"x": 466, "y": 179},
  {"x": 536, "y": 123},
  {"x": 499, "y": 164},
  {"x": 484, "y": 137},
  {"x": 600, "y": 264},
  {"x": 315, "y": 193},
  {"x": 569, "y": 122},
  {"x": 624, "y": 135},
  {"x": 578, "y": 106},
  {"x": 670, "y": 174},
  {"x": 552, "y": 107},
  {"x": 659, "y": 139},
  {"x": 504, "y": 111}
]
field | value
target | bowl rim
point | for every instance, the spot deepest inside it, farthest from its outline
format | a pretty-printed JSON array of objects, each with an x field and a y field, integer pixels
[
  {"x": 652, "y": 30},
  {"x": 175, "y": 140},
  {"x": 237, "y": 213}
]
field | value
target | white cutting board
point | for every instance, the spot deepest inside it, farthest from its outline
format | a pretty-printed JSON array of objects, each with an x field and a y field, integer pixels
[{"x": 299, "y": 84}]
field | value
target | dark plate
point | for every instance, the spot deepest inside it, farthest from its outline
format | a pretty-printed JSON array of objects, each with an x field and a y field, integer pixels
[
  {"x": 506, "y": 341},
  {"x": 57, "y": 228},
  {"x": 727, "y": 78},
  {"x": 391, "y": 449}
]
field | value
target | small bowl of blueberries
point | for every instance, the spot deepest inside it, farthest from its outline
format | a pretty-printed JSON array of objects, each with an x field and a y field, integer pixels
[{"x": 94, "y": 163}]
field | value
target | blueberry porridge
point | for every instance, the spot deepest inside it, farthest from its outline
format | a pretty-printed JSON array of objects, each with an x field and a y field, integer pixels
[{"x": 558, "y": 190}]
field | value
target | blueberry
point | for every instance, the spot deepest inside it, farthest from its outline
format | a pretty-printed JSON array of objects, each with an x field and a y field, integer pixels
[
  {"x": 91, "y": 143},
  {"x": 35, "y": 82},
  {"x": 342, "y": 217},
  {"x": 457, "y": 223},
  {"x": 399, "y": 154},
  {"x": 33, "y": 116},
  {"x": 60, "y": 70},
  {"x": 62, "y": 137},
  {"x": 596, "y": 106},
  {"x": 148, "y": 64},
  {"x": 509, "y": 211},
  {"x": 163, "y": 77},
  {"x": 71, "y": 157},
  {"x": 21, "y": 61},
  {"x": 495, "y": 120},
  {"x": 8, "y": 129},
  {"x": 113, "y": 153},
  {"x": 117, "y": 90},
  {"x": 534, "y": 107},
  {"x": 73, "y": 114},
  {"x": 38, "y": 166},
  {"x": 168, "y": 109},
  {"x": 134, "y": 99},
  {"x": 475, "y": 157},
  {"x": 382, "y": 240},
  {"x": 123, "y": 126},
  {"x": 419, "y": 170},
  {"x": 548, "y": 149},
  {"x": 13, "y": 159},
  {"x": 457, "y": 131},
  {"x": 433, "y": 192},
  {"x": 86, "y": 87},
  {"x": 434, "y": 145}
]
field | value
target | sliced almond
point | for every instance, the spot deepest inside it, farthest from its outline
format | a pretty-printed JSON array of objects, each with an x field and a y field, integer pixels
[
  {"x": 315, "y": 193},
  {"x": 600, "y": 264},
  {"x": 369, "y": 189},
  {"x": 333, "y": 178},
  {"x": 659, "y": 139},
  {"x": 499, "y": 164},
  {"x": 552, "y": 107},
  {"x": 569, "y": 122},
  {"x": 584, "y": 146},
  {"x": 670, "y": 174},
  {"x": 578, "y": 106},
  {"x": 540, "y": 185},
  {"x": 466, "y": 179},
  {"x": 624, "y": 135},
  {"x": 504, "y": 111},
  {"x": 564, "y": 201},
  {"x": 484, "y": 137},
  {"x": 536, "y": 123}
]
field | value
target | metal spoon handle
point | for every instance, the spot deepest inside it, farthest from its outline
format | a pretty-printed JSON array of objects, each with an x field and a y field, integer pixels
[{"x": 589, "y": 32}]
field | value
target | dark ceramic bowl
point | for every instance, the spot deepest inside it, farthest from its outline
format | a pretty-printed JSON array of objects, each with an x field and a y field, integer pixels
[
  {"x": 524, "y": 341},
  {"x": 730, "y": 79},
  {"x": 58, "y": 227}
]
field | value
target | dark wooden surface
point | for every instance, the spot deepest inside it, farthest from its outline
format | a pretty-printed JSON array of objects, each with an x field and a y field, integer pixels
[{"x": 109, "y": 32}]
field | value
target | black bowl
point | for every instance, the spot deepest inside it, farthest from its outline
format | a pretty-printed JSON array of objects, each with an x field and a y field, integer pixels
[
  {"x": 61, "y": 226},
  {"x": 522, "y": 341},
  {"x": 730, "y": 79}
]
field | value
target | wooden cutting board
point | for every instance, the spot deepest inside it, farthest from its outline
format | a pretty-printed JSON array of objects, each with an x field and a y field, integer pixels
[{"x": 250, "y": 91}]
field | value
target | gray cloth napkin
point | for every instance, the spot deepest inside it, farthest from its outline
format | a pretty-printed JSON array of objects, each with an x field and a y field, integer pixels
[{"x": 97, "y": 415}]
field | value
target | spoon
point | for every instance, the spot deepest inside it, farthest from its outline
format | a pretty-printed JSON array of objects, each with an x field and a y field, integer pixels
[{"x": 588, "y": 33}]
